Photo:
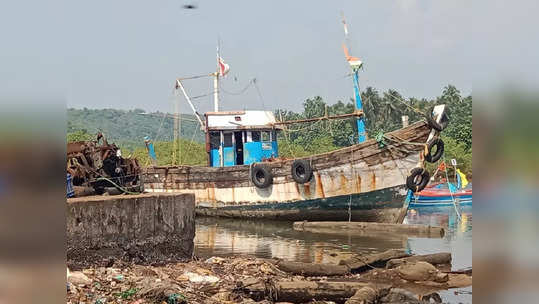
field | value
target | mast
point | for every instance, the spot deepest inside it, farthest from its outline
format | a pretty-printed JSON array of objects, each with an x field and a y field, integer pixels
[
  {"x": 216, "y": 92},
  {"x": 216, "y": 84},
  {"x": 362, "y": 135},
  {"x": 355, "y": 64}
]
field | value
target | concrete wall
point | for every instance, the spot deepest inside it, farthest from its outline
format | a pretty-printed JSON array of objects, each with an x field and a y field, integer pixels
[{"x": 146, "y": 228}]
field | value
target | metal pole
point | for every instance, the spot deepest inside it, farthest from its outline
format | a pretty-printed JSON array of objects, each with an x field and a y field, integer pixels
[
  {"x": 362, "y": 135},
  {"x": 180, "y": 85},
  {"x": 216, "y": 82},
  {"x": 216, "y": 92}
]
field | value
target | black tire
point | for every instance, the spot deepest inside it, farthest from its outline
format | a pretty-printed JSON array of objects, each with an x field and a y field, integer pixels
[
  {"x": 439, "y": 143},
  {"x": 261, "y": 176},
  {"x": 301, "y": 171},
  {"x": 418, "y": 179},
  {"x": 444, "y": 122}
]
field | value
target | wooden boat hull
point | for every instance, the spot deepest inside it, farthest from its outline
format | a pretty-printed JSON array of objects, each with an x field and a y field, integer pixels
[
  {"x": 369, "y": 175},
  {"x": 384, "y": 206}
]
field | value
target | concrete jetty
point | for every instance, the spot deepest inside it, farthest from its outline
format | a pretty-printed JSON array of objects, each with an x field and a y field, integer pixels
[{"x": 145, "y": 228}]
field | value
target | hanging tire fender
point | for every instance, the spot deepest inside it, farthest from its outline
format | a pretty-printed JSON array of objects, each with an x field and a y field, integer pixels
[
  {"x": 261, "y": 176},
  {"x": 301, "y": 171},
  {"x": 417, "y": 180},
  {"x": 439, "y": 144}
]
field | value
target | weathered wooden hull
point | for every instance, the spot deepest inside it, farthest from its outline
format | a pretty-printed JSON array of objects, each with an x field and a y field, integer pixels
[
  {"x": 384, "y": 206},
  {"x": 368, "y": 175}
]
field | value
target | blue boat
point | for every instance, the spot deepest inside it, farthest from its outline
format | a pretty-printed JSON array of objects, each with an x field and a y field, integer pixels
[{"x": 442, "y": 194}]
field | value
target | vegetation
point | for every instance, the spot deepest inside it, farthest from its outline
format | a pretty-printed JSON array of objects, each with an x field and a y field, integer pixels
[
  {"x": 128, "y": 128},
  {"x": 188, "y": 153},
  {"x": 383, "y": 114}
]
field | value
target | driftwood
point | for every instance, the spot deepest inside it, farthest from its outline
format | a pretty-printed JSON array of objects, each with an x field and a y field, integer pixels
[
  {"x": 373, "y": 260},
  {"x": 434, "y": 259},
  {"x": 305, "y": 291},
  {"x": 344, "y": 267},
  {"x": 371, "y": 227},
  {"x": 365, "y": 295},
  {"x": 310, "y": 269}
]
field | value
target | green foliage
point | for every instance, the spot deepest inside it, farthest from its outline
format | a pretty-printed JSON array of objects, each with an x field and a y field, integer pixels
[
  {"x": 187, "y": 153},
  {"x": 383, "y": 113},
  {"x": 127, "y": 294},
  {"x": 457, "y": 150},
  {"x": 79, "y": 135},
  {"x": 128, "y": 128}
]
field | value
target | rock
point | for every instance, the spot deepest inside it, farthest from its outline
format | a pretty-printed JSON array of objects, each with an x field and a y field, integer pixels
[
  {"x": 421, "y": 271},
  {"x": 398, "y": 295},
  {"x": 459, "y": 280},
  {"x": 197, "y": 278},
  {"x": 78, "y": 278},
  {"x": 223, "y": 296},
  {"x": 203, "y": 271},
  {"x": 215, "y": 260}
]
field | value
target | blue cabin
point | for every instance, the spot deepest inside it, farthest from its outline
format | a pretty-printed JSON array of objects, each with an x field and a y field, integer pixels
[{"x": 240, "y": 138}]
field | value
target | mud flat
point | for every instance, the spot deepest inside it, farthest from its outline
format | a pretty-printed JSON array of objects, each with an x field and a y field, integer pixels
[{"x": 144, "y": 229}]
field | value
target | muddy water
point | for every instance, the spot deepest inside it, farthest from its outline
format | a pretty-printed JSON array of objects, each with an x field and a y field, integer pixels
[{"x": 270, "y": 239}]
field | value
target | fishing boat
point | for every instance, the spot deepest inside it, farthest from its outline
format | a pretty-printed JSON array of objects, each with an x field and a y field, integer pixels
[
  {"x": 442, "y": 194},
  {"x": 372, "y": 180}
]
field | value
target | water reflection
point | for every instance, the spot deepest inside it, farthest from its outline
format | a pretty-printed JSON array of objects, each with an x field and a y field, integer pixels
[{"x": 271, "y": 239}]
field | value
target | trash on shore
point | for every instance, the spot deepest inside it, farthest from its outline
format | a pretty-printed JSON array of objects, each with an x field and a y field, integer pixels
[{"x": 254, "y": 280}]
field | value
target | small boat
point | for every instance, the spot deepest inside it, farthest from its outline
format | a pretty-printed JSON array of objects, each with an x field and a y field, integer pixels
[{"x": 442, "y": 194}]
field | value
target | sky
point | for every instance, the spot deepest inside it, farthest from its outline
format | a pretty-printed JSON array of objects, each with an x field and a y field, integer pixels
[{"x": 126, "y": 54}]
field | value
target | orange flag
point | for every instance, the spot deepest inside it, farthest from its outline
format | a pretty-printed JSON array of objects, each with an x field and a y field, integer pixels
[{"x": 441, "y": 167}]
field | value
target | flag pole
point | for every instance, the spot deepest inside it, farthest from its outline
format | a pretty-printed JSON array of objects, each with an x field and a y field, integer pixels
[
  {"x": 216, "y": 83},
  {"x": 355, "y": 64}
]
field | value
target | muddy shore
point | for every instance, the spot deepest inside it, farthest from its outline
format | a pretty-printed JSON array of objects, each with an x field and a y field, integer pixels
[{"x": 389, "y": 277}]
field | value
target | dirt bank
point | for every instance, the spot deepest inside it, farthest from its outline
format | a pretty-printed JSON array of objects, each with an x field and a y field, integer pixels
[{"x": 252, "y": 280}]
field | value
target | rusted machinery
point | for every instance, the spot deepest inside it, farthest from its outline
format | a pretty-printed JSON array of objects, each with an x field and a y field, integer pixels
[{"x": 99, "y": 165}]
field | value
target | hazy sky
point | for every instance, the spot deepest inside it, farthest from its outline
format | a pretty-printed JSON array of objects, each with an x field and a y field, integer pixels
[{"x": 126, "y": 54}]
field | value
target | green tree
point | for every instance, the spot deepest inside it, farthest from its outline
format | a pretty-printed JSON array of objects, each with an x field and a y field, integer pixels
[{"x": 79, "y": 135}]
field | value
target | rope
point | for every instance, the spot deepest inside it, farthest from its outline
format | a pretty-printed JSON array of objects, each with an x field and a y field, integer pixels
[
  {"x": 409, "y": 106},
  {"x": 242, "y": 90},
  {"x": 451, "y": 192},
  {"x": 190, "y": 143},
  {"x": 380, "y": 139},
  {"x": 259, "y": 94}
]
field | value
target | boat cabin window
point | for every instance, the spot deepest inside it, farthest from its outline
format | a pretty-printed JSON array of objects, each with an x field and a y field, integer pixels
[
  {"x": 228, "y": 140},
  {"x": 255, "y": 136},
  {"x": 266, "y": 136},
  {"x": 215, "y": 140}
]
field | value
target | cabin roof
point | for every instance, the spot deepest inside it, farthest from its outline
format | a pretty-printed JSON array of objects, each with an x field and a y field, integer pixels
[{"x": 241, "y": 120}]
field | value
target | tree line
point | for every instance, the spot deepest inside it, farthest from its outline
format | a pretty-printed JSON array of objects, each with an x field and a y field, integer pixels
[{"x": 383, "y": 112}]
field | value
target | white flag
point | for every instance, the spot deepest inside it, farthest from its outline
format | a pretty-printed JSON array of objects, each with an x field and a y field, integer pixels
[{"x": 223, "y": 67}]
